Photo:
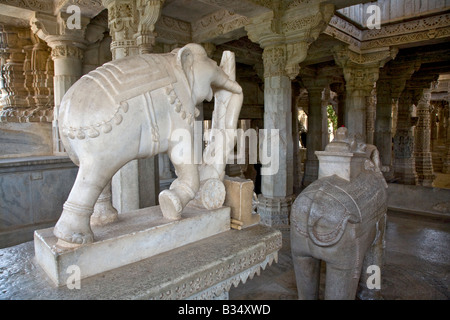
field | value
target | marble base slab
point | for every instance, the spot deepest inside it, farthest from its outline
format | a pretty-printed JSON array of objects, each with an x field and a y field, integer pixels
[
  {"x": 205, "y": 269},
  {"x": 137, "y": 235}
]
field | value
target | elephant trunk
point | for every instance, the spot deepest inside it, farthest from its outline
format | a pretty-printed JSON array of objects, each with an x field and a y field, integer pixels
[
  {"x": 222, "y": 81},
  {"x": 328, "y": 218},
  {"x": 326, "y": 239}
]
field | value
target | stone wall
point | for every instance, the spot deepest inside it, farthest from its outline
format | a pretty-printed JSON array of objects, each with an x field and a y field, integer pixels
[{"x": 32, "y": 193}]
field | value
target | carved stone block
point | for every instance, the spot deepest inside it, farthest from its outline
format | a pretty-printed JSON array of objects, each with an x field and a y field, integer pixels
[{"x": 239, "y": 197}]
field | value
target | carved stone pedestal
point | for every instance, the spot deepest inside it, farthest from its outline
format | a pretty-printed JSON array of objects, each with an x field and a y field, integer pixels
[
  {"x": 137, "y": 235},
  {"x": 205, "y": 269}
]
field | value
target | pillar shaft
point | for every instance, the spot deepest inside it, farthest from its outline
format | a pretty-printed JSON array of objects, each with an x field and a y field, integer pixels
[
  {"x": 135, "y": 185},
  {"x": 277, "y": 184},
  {"x": 383, "y": 123},
  {"x": 361, "y": 72},
  {"x": 446, "y": 160},
  {"x": 422, "y": 142},
  {"x": 14, "y": 105},
  {"x": 316, "y": 132},
  {"x": 404, "y": 163},
  {"x": 371, "y": 103},
  {"x": 67, "y": 60}
]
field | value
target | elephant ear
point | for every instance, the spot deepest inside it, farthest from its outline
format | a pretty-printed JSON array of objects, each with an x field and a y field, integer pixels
[{"x": 185, "y": 59}]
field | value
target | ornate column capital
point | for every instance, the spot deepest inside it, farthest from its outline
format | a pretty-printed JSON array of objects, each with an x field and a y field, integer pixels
[
  {"x": 123, "y": 23},
  {"x": 361, "y": 70},
  {"x": 294, "y": 26},
  {"x": 149, "y": 12},
  {"x": 54, "y": 31}
]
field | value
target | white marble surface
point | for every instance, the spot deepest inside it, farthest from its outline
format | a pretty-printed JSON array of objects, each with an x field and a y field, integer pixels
[
  {"x": 137, "y": 235},
  {"x": 205, "y": 269}
]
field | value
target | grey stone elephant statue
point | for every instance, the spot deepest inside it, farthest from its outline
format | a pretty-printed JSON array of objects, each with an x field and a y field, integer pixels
[
  {"x": 127, "y": 109},
  {"x": 340, "y": 219}
]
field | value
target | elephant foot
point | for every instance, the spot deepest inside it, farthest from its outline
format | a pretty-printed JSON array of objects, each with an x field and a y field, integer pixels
[
  {"x": 74, "y": 226},
  {"x": 104, "y": 213},
  {"x": 170, "y": 205}
]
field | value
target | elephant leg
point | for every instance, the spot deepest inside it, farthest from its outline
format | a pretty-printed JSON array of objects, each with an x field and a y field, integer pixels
[
  {"x": 341, "y": 284},
  {"x": 74, "y": 224},
  {"x": 306, "y": 267},
  {"x": 307, "y": 275},
  {"x": 373, "y": 262},
  {"x": 181, "y": 191},
  {"x": 104, "y": 212}
]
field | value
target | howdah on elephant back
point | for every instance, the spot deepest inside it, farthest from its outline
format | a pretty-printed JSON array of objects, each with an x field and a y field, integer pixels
[
  {"x": 127, "y": 109},
  {"x": 340, "y": 219}
]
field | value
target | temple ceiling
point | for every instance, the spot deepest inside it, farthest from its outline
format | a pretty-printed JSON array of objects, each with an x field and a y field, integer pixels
[{"x": 405, "y": 24}]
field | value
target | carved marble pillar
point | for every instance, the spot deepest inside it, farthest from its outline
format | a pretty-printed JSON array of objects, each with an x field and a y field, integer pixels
[
  {"x": 28, "y": 76},
  {"x": 383, "y": 124},
  {"x": 67, "y": 53},
  {"x": 404, "y": 162},
  {"x": 446, "y": 160},
  {"x": 317, "y": 128},
  {"x": 42, "y": 96},
  {"x": 149, "y": 12},
  {"x": 277, "y": 186},
  {"x": 123, "y": 24},
  {"x": 15, "y": 103},
  {"x": 371, "y": 110},
  {"x": 361, "y": 71},
  {"x": 67, "y": 59},
  {"x": 285, "y": 34},
  {"x": 442, "y": 132},
  {"x": 434, "y": 128},
  {"x": 422, "y": 142},
  {"x": 390, "y": 85},
  {"x": 131, "y": 24}
]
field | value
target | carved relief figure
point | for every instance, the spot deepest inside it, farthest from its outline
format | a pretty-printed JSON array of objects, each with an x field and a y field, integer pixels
[
  {"x": 128, "y": 109},
  {"x": 340, "y": 219}
]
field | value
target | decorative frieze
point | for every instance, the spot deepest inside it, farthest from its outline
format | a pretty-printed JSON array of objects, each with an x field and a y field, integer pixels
[
  {"x": 32, "y": 5},
  {"x": 395, "y": 34},
  {"x": 67, "y": 51},
  {"x": 173, "y": 31},
  {"x": 274, "y": 59},
  {"x": 216, "y": 25}
]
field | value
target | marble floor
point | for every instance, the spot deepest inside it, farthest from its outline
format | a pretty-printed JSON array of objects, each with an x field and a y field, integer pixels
[{"x": 417, "y": 265}]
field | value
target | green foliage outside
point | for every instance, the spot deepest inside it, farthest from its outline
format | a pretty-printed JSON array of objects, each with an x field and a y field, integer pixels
[{"x": 332, "y": 117}]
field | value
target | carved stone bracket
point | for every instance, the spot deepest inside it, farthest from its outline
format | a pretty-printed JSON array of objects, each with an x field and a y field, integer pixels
[
  {"x": 361, "y": 70},
  {"x": 123, "y": 25},
  {"x": 294, "y": 27},
  {"x": 148, "y": 13}
]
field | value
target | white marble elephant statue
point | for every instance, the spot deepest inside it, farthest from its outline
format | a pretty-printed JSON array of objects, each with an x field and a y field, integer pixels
[
  {"x": 340, "y": 219},
  {"x": 125, "y": 110}
]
